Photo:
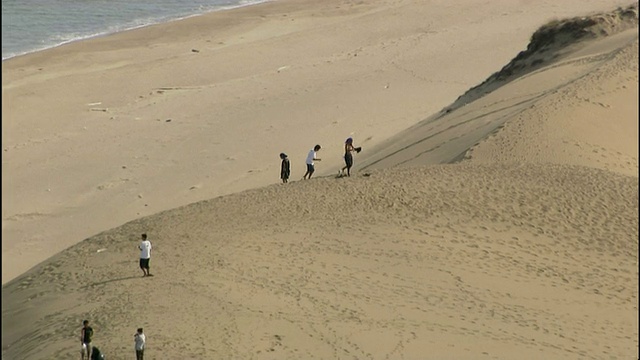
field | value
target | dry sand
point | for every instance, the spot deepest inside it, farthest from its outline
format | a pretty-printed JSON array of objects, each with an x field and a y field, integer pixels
[
  {"x": 526, "y": 248},
  {"x": 276, "y": 77}
]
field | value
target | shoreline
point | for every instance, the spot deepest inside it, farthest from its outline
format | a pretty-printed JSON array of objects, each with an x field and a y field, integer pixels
[{"x": 125, "y": 28}]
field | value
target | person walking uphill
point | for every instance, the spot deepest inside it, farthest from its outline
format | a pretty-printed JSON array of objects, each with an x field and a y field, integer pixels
[
  {"x": 348, "y": 156},
  {"x": 86, "y": 335},
  {"x": 311, "y": 157},
  {"x": 285, "y": 168},
  {"x": 140, "y": 341},
  {"x": 145, "y": 255}
]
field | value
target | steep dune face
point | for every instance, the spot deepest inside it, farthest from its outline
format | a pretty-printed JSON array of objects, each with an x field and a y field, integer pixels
[
  {"x": 504, "y": 228},
  {"x": 552, "y": 42},
  {"x": 575, "y": 86},
  {"x": 592, "y": 122}
]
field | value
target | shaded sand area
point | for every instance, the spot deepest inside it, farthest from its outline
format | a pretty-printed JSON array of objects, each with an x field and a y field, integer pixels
[
  {"x": 502, "y": 227},
  {"x": 101, "y": 132}
]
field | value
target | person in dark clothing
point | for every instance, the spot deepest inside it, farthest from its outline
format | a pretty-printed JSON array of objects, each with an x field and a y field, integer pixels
[
  {"x": 285, "y": 168},
  {"x": 96, "y": 354},
  {"x": 86, "y": 335},
  {"x": 348, "y": 156}
]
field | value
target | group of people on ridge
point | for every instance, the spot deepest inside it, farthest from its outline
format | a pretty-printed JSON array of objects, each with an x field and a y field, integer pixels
[
  {"x": 93, "y": 353},
  {"x": 312, "y": 157}
]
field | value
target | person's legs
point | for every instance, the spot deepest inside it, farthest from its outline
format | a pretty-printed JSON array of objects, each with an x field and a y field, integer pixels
[
  {"x": 88, "y": 351},
  {"x": 348, "y": 159},
  {"x": 142, "y": 266},
  {"x": 139, "y": 354},
  {"x": 310, "y": 170},
  {"x": 146, "y": 266}
]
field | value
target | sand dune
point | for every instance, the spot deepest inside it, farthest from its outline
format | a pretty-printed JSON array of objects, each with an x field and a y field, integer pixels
[
  {"x": 180, "y": 126},
  {"x": 504, "y": 226},
  {"x": 553, "y": 112},
  {"x": 457, "y": 261}
]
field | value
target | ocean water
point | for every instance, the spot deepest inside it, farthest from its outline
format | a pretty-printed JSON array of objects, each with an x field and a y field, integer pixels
[{"x": 33, "y": 25}]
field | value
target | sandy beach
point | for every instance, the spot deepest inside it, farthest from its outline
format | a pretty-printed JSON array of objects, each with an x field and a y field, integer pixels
[{"x": 492, "y": 213}]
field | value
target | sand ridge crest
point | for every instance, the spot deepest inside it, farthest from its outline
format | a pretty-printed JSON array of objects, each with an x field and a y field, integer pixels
[{"x": 551, "y": 43}]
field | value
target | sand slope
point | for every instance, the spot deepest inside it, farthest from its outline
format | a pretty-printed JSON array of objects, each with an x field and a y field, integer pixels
[
  {"x": 504, "y": 228},
  {"x": 180, "y": 126},
  {"x": 457, "y": 261},
  {"x": 579, "y": 108}
]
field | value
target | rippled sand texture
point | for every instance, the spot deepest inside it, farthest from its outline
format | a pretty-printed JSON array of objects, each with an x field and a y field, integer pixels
[{"x": 502, "y": 226}]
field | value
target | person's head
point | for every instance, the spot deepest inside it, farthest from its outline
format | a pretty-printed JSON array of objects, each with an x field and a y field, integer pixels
[
  {"x": 85, "y": 323},
  {"x": 317, "y": 147},
  {"x": 139, "y": 330},
  {"x": 144, "y": 236},
  {"x": 349, "y": 141},
  {"x": 283, "y": 156}
]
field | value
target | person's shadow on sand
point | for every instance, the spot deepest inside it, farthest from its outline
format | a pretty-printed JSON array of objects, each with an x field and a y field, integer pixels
[{"x": 111, "y": 280}]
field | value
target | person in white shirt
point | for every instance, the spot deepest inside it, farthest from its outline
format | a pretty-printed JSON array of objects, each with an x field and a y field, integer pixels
[
  {"x": 311, "y": 157},
  {"x": 140, "y": 340},
  {"x": 145, "y": 255}
]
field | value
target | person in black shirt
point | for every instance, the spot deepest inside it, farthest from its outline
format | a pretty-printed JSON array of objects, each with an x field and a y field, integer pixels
[
  {"x": 86, "y": 335},
  {"x": 348, "y": 156},
  {"x": 285, "y": 168},
  {"x": 96, "y": 354}
]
